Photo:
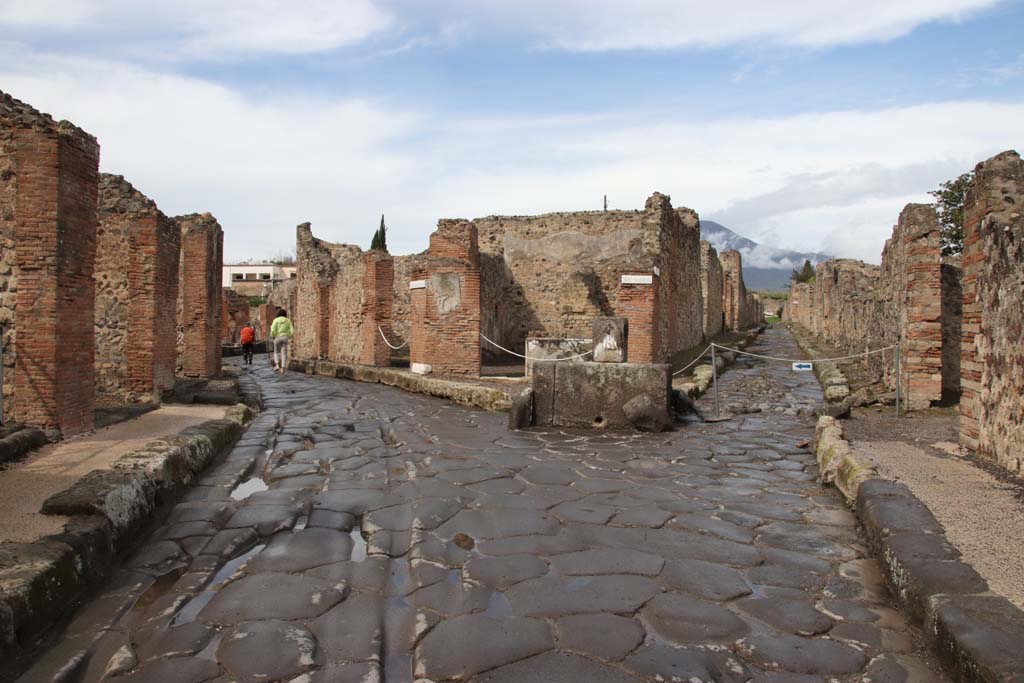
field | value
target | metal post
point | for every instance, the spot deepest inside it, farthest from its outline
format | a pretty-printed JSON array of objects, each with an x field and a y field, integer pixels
[
  {"x": 899, "y": 377},
  {"x": 714, "y": 378}
]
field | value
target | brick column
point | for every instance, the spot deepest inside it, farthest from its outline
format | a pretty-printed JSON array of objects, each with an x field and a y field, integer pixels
[
  {"x": 446, "y": 303},
  {"x": 638, "y": 303},
  {"x": 202, "y": 243},
  {"x": 267, "y": 314},
  {"x": 378, "y": 297},
  {"x": 323, "y": 307},
  {"x": 153, "y": 287},
  {"x": 57, "y": 169},
  {"x": 922, "y": 333}
]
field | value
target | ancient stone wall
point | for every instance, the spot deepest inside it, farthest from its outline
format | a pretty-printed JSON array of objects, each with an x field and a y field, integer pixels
[
  {"x": 8, "y": 256},
  {"x": 199, "y": 301},
  {"x": 54, "y": 177},
  {"x": 992, "y": 361},
  {"x": 711, "y": 289},
  {"x": 739, "y": 307},
  {"x": 952, "y": 324},
  {"x": 235, "y": 313},
  {"x": 551, "y": 275},
  {"x": 136, "y": 280},
  {"x": 861, "y": 307},
  {"x": 445, "y": 298},
  {"x": 342, "y": 296}
]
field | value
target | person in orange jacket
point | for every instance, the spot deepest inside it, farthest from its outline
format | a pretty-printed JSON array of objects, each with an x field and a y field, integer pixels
[{"x": 248, "y": 338}]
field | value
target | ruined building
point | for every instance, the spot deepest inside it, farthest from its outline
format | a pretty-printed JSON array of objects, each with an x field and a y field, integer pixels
[
  {"x": 510, "y": 278},
  {"x": 90, "y": 268},
  {"x": 860, "y": 307},
  {"x": 136, "y": 280},
  {"x": 235, "y": 313},
  {"x": 992, "y": 360},
  {"x": 740, "y": 309},
  {"x": 49, "y": 175}
]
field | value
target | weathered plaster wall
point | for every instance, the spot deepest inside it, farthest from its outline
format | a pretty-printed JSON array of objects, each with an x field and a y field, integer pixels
[
  {"x": 711, "y": 289},
  {"x": 551, "y": 275},
  {"x": 992, "y": 402}
]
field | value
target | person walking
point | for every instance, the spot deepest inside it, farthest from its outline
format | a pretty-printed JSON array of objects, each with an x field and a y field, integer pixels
[
  {"x": 281, "y": 332},
  {"x": 248, "y": 338}
]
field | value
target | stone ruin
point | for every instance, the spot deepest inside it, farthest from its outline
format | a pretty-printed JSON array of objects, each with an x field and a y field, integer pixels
[
  {"x": 961, "y": 331},
  {"x": 235, "y": 313},
  {"x": 861, "y": 307},
  {"x": 94, "y": 267},
  {"x": 524, "y": 282},
  {"x": 136, "y": 279}
]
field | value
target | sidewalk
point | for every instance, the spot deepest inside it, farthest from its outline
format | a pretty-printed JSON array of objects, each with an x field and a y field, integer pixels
[
  {"x": 980, "y": 507},
  {"x": 25, "y": 485}
]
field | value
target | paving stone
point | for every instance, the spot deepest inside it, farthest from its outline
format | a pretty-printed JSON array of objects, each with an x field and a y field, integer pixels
[
  {"x": 704, "y": 579},
  {"x": 605, "y": 636},
  {"x": 467, "y": 645},
  {"x": 649, "y": 517},
  {"x": 230, "y": 543},
  {"x": 654, "y": 659},
  {"x": 268, "y": 650},
  {"x": 177, "y": 670},
  {"x": 421, "y": 514},
  {"x": 607, "y": 561},
  {"x": 562, "y": 542},
  {"x": 502, "y": 572},
  {"x": 683, "y": 619},
  {"x": 300, "y": 550},
  {"x": 356, "y": 672},
  {"x": 350, "y": 631},
  {"x": 452, "y": 598},
  {"x": 483, "y": 525},
  {"x": 552, "y": 596},
  {"x": 802, "y": 655},
  {"x": 271, "y": 596},
  {"x": 329, "y": 519},
  {"x": 557, "y": 666},
  {"x": 790, "y": 616},
  {"x": 582, "y": 512},
  {"x": 265, "y": 519},
  {"x": 177, "y": 641},
  {"x": 545, "y": 474}
]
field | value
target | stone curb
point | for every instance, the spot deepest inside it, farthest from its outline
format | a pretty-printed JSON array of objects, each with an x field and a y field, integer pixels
[
  {"x": 41, "y": 581},
  {"x": 975, "y": 633},
  {"x": 16, "y": 446},
  {"x": 703, "y": 374},
  {"x": 472, "y": 395}
]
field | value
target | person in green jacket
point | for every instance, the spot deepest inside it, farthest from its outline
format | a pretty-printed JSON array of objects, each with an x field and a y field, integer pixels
[{"x": 281, "y": 331}]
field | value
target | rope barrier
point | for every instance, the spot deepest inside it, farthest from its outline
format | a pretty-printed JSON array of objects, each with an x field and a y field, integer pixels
[
  {"x": 680, "y": 371},
  {"x": 405, "y": 343},
  {"x": 547, "y": 360},
  {"x": 806, "y": 360}
]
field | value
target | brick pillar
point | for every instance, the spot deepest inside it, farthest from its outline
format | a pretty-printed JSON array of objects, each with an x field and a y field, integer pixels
[
  {"x": 202, "y": 243},
  {"x": 445, "y": 298},
  {"x": 638, "y": 303},
  {"x": 323, "y": 309},
  {"x": 57, "y": 169},
  {"x": 922, "y": 334},
  {"x": 378, "y": 297},
  {"x": 267, "y": 314},
  {"x": 153, "y": 287}
]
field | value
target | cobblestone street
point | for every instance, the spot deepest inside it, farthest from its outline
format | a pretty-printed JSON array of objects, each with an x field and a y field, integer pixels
[{"x": 358, "y": 533}]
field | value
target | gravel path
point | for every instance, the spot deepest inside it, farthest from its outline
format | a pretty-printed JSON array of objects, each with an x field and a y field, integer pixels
[{"x": 982, "y": 512}]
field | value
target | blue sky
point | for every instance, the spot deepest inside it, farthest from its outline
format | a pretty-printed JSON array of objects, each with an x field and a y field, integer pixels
[{"x": 799, "y": 126}]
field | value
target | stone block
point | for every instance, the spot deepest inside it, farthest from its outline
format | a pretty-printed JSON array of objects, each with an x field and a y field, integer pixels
[
  {"x": 610, "y": 338},
  {"x": 521, "y": 415},
  {"x": 594, "y": 394},
  {"x": 125, "y": 498},
  {"x": 541, "y": 349}
]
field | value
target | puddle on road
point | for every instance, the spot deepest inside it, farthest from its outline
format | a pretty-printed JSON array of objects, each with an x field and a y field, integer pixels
[
  {"x": 358, "y": 545},
  {"x": 249, "y": 487},
  {"x": 191, "y": 609}
]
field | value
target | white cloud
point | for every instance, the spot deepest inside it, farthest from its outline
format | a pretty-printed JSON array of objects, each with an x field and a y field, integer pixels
[
  {"x": 203, "y": 28},
  {"x": 589, "y": 25},
  {"x": 828, "y": 181}
]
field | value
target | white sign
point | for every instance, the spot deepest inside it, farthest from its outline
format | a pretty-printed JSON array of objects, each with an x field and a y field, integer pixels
[
  {"x": 638, "y": 279},
  {"x": 418, "y": 284},
  {"x": 803, "y": 367}
]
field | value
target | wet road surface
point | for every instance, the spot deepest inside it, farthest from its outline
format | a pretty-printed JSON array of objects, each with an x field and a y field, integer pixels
[{"x": 358, "y": 533}]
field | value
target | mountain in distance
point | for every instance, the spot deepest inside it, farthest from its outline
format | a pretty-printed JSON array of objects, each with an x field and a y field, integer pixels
[{"x": 764, "y": 267}]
